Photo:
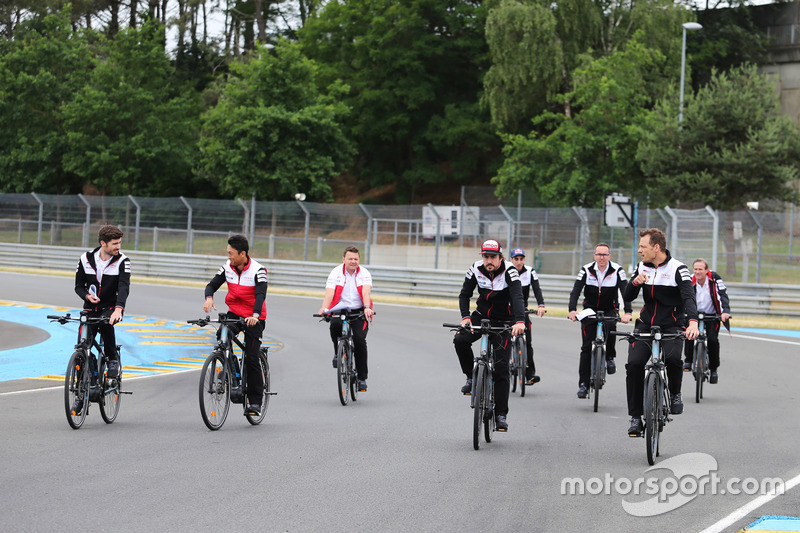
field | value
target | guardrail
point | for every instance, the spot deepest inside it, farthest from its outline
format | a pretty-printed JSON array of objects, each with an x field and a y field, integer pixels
[{"x": 746, "y": 298}]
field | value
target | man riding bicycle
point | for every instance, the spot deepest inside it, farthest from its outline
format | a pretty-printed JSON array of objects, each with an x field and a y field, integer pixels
[
  {"x": 349, "y": 287},
  {"x": 500, "y": 301},
  {"x": 246, "y": 298},
  {"x": 712, "y": 298},
  {"x": 668, "y": 294},
  {"x": 529, "y": 280},
  {"x": 102, "y": 280},
  {"x": 600, "y": 281}
]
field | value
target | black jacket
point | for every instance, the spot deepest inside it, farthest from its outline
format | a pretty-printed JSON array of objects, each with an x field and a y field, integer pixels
[
  {"x": 668, "y": 293},
  {"x": 600, "y": 295},
  {"x": 114, "y": 285},
  {"x": 499, "y": 293}
]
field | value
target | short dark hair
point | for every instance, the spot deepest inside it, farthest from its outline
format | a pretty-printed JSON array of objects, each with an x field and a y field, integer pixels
[
  {"x": 656, "y": 237},
  {"x": 599, "y": 244},
  {"x": 239, "y": 243},
  {"x": 351, "y": 249},
  {"x": 108, "y": 233}
]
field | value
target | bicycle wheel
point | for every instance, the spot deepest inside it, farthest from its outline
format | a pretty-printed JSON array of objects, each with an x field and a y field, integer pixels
[
  {"x": 215, "y": 391},
  {"x": 109, "y": 396},
  {"x": 652, "y": 414},
  {"x": 488, "y": 411},
  {"x": 522, "y": 365},
  {"x": 76, "y": 397},
  {"x": 255, "y": 420},
  {"x": 342, "y": 372},
  {"x": 598, "y": 366},
  {"x": 512, "y": 369},
  {"x": 700, "y": 370},
  {"x": 478, "y": 406}
]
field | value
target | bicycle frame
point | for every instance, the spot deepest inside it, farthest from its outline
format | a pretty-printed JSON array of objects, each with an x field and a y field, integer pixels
[{"x": 346, "y": 372}]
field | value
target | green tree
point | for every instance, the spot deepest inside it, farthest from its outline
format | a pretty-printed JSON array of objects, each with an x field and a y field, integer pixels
[
  {"x": 537, "y": 46},
  {"x": 273, "y": 132},
  {"x": 733, "y": 146},
  {"x": 40, "y": 70},
  {"x": 131, "y": 129},
  {"x": 592, "y": 153},
  {"x": 414, "y": 69}
]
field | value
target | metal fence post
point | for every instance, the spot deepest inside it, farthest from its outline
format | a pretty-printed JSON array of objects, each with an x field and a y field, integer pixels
[
  {"x": 673, "y": 239},
  {"x": 88, "y": 221},
  {"x": 246, "y": 221},
  {"x": 188, "y": 226},
  {"x": 583, "y": 229},
  {"x": 438, "y": 235},
  {"x": 370, "y": 233},
  {"x": 155, "y": 238},
  {"x": 791, "y": 230},
  {"x": 714, "y": 237},
  {"x": 138, "y": 220},
  {"x": 510, "y": 232},
  {"x": 41, "y": 215},
  {"x": 758, "y": 253},
  {"x": 305, "y": 230}
]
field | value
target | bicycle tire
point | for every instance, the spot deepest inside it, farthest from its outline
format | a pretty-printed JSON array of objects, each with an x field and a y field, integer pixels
[
  {"x": 478, "y": 407},
  {"x": 522, "y": 367},
  {"x": 343, "y": 373},
  {"x": 353, "y": 375},
  {"x": 110, "y": 394},
  {"x": 215, "y": 391},
  {"x": 700, "y": 371},
  {"x": 76, "y": 382},
  {"x": 264, "y": 364},
  {"x": 652, "y": 415},
  {"x": 488, "y": 410},
  {"x": 512, "y": 370},
  {"x": 596, "y": 381}
]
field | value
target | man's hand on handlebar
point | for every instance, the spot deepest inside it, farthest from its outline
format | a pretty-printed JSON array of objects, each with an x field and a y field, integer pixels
[
  {"x": 626, "y": 318},
  {"x": 518, "y": 329},
  {"x": 691, "y": 331}
]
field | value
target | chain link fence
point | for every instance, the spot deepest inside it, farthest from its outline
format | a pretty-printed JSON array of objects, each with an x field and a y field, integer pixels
[{"x": 745, "y": 246}]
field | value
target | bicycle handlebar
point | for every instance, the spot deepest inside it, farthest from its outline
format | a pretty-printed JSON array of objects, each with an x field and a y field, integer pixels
[
  {"x": 348, "y": 314},
  {"x": 82, "y": 318},
  {"x": 654, "y": 333},
  {"x": 482, "y": 328},
  {"x": 222, "y": 319}
]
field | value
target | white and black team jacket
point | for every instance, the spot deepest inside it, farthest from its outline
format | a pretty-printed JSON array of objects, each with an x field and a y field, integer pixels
[
  {"x": 499, "y": 293},
  {"x": 600, "y": 295},
  {"x": 111, "y": 285},
  {"x": 668, "y": 293}
]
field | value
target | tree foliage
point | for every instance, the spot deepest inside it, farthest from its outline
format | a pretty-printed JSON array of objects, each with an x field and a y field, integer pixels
[
  {"x": 732, "y": 147},
  {"x": 586, "y": 156},
  {"x": 273, "y": 132},
  {"x": 40, "y": 70},
  {"x": 130, "y": 128},
  {"x": 414, "y": 69}
]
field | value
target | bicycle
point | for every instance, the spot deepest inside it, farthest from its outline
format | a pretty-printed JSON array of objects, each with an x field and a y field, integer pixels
[
  {"x": 86, "y": 380},
  {"x": 518, "y": 366},
  {"x": 346, "y": 373},
  {"x": 482, "y": 395},
  {"x": 597, "y": 376},
  {"x": 700, "y": 368},
  {"x": 223, "y": 379},
  {"x": 656, "y": 392}
]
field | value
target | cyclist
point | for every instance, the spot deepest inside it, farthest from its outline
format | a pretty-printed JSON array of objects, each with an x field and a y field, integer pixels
[
  {"x": 103, "y": 280},
  {"x": 529, "y": 280},
  {"x": 668, "y": 294},
  {"x": 712, "y": 298},
  {"x": 601, "y": 282},
  {"x": 246, "y": 298},
  {"x": 349, "y": 287},
  {"x": 499, "y": 300}
]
